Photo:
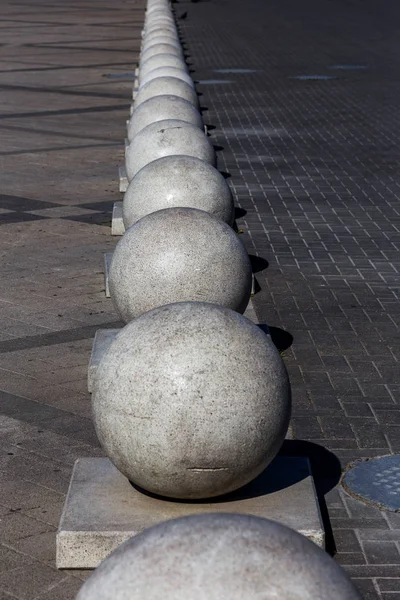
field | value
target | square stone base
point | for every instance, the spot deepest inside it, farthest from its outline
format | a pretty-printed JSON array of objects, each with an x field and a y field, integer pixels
[
  {"x": 107, "y": 263},
  {"x": 123, "y": 180},
  {"x": 117, "y": 223},
  {"x": 103, "y": 509},
  {"x": 101, "y": 342}
]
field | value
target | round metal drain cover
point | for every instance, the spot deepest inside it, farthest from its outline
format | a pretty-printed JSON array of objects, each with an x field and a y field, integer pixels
[{"x": 377, "y": 481}]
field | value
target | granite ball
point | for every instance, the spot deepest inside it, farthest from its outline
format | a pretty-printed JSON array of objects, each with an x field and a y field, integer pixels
[
  {"x": 158, "y": 38},
  {"x": 161, "y": 108},
  {"x": 166, "y": 85},
  {"x": 166, "y": 72},
  {"x": 160, "y": 49},
  {"x": 166, "y": 138},
  {"x": 192, "y": 400},
  {"x": 175, "y": 181},
  {"x": 219, "y": 557},
  {"x": 162, "y": 60},
  {"x": 177, "y": 255}
]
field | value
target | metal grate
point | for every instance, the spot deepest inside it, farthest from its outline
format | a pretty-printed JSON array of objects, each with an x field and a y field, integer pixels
[{"x": 377, "y": 481}]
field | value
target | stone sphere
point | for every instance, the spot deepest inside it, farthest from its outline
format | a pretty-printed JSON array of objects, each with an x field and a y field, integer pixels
[
  {"x": 166, "y": 138},
  {"x": 162, "y": 60},
  {"x": 192, "y": 400},
  {"x": 175, "y": 181},
  {"x": 162, "y": 37},
  {"x": 219, "y": 557},
  {"x": 176, "y": 255},
  {"x": 166, "y": 72},
  {"x": 161, "y": 108},
  {"x": 155, "y": 39},
  {"x": 166, "y": 85},
  {"x": 160, "y": 27},
  {"x": 160, "y": 49}
]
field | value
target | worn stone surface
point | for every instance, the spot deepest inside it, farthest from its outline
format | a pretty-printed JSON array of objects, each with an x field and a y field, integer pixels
[
  {"x": 123, "y": 179},
  {"x": 101, "y": 343},
  {"x": 161, "y": 60},
  {"x": 107, "y": 262},
  {"x": 117, "y": 223},
  {"x": 161, "y": 108},
  {"x": 104, "y": 510},
  {"x": 203, "y": 370},
  {"x": 166, "y": 85},
  {"x": 179, "y": 254},
  {"x": 167, "y": 138},
  {"x": 177, "y": 181},
  {"x": 166, "y": 72},
  {"x": 99, "y": 347},
  {"x": 154, "y": 49}
]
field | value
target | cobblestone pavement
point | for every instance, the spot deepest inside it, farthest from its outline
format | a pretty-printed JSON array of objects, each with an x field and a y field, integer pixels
[
  {"x": 64, "y": 98},
  {"x": 304, "y": 99},
  {"x": 314, "y": 166}
]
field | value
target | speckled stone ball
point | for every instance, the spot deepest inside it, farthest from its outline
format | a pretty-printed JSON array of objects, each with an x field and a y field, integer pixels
[
  {"x": 154, "y": 39},
  {"x": 161, "y": 60},
  {"x": 160, "y": 49},
  {"x": 161, "y": 108},
  {"x": 177, "y": 255},
  {"x": 192, "y": 400},
  {"x": 177, "y": 181},
  {"x": 219, "y": 557},
  {"x": 166, "y": 85},
  {"x": 166, "y": 72},
  {"x": 166, "y": 138}
]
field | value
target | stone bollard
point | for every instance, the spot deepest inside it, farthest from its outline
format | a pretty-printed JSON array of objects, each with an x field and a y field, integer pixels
[
  {"x": 177, "y": 255},
  {"x": 175, "y": 181},
  {"x": 156, "y": 49},
  {"x": 161, "y": 108},
  {"x": 161, "y": 60},
  {"x": 166, "y": 138},
  {"x": 166, "y": 85},
  {"x": 166, "y": 72},
  {"x": 219, "y": 557},
  {"x": 191, "y": 400}
]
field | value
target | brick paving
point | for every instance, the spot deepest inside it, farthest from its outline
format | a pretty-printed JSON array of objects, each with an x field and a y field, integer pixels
[
  {"x": 64, "y": 99},
  {"x": 304, "y": 100},
  {"x": 314, "y": 167}
]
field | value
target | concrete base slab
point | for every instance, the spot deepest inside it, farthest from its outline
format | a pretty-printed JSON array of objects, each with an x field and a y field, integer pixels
[
  {"x": 123, "y": 180},
  {"x": 102, "y": 341},
  {"x": 107, "y": 263},
  {"x": 117, "y": 223},
  {"x": 103, "y": 509}
]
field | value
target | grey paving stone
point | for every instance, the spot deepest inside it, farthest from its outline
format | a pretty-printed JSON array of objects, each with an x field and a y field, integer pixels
[{"x": 103, "y": 509}]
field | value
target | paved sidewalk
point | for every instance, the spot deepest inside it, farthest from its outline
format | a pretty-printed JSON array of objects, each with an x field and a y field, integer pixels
[
  {"x": 313, "y": 162},
  {"x": 304, "y": 99},
  {"x": 63, "y": 108}
]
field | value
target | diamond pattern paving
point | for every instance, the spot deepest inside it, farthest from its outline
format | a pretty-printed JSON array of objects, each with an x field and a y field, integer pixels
[{"x": 62, "y": 130}]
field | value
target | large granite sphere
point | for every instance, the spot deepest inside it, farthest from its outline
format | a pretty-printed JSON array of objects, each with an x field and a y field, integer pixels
[
  {"x": 163, "y": 37},
  {"x": 179, "y": 254},
  {"x": 192, "y": 400},
  {"x": 177, "y": 181},
  {"x": 156, "y": 27},
  {"x": 155, "y": 39},
  {"x": 219, "y": 557},
  {"x": 162, "y": 60},
  {"x": 161, "y": 108},
  {"x": 166, "y": 85},
  {"x": 166, "y": 72},
  {"x": 160, "y": 49},
  {"x": 166, "y": 138}
]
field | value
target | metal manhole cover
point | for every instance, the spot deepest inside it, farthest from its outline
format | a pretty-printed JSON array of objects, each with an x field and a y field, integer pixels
[{"x": 377, "y": 481}]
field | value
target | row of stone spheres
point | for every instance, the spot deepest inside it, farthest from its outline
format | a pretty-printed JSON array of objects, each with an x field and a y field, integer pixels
[{"x": 192, "y": 399}]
